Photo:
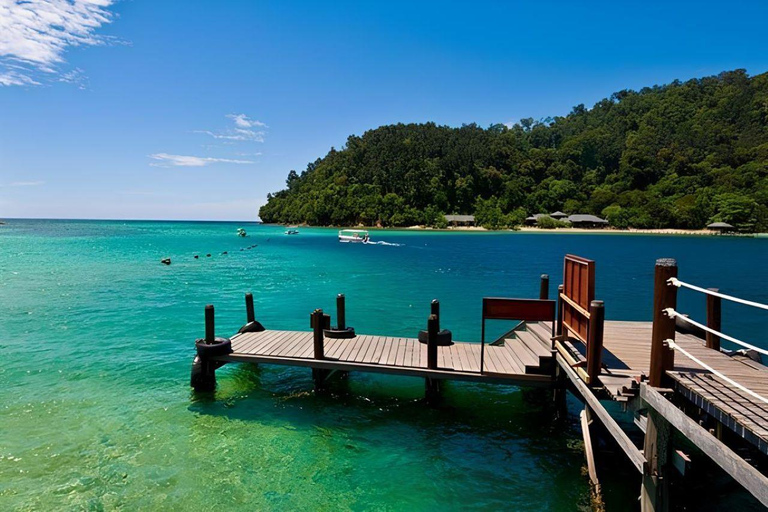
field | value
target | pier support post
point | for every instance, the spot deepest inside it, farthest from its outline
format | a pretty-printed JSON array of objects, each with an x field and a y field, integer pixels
[
  {"x": 203, "y": 377},
  {"x": 664, "y": 296},
  {"x": 319, "y": 375},
  {"x": 432, "y": 386},
  {"x": 654, "y": 495},
  {"x": 713, "y": 319},
  {"x": 595, "y": 340},
  {"x": 544, "y": 287}
]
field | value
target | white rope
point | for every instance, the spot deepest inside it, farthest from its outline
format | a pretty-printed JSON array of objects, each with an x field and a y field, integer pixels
[
  {"x": 676, "y": 282},
  {"x": 715, "y": 372},
  {"x": 671, "y": 313}
]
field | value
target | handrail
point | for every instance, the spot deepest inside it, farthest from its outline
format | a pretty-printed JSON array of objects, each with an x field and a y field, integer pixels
[
  {"x": 574, "y": 305},
  {"x": 674, "y": 314},
  {"x": 677, "y": 347},
  {"x": 673, "y": 281}
]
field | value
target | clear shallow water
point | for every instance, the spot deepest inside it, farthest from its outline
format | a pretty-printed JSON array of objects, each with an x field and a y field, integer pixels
[{"x": 97, "y": 338}]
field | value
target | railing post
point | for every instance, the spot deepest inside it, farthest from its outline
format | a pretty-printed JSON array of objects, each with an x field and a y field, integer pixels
[
  {"x": 664, "y": 296},
  {"x": 595, "y": 340},
  {"x": 432, "y": 342},
  {"x": 544, "y": 287},
  {"x": 713, "y": 319},
  {"x": 434, "y": 309},
  {"x": 249, "y": 312},
  {"x": 341, "y": 314},
  {"x": 210, "y": 331},
  {"x": 318, "y": 321},
  {"x": 560, "y": 291}
]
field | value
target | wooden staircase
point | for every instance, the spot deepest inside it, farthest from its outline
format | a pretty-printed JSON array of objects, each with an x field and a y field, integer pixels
[{"x": 535, "y": 355}]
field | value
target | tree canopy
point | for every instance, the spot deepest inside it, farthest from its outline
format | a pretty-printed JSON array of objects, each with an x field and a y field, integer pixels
[{"x": 679, "y": 155}]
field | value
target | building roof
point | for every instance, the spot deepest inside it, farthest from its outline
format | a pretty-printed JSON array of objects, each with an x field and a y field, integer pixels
[
  {"x": 460, "y": 218},
  {"x": 558, "y": 214},
  {"x": 586, "y": 218},
  {"x": 720, "y": 225},
  {"x": 537, "y": 216}
]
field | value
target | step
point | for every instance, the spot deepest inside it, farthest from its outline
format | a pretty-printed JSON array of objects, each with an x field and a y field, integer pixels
[
  {"x": 543, "y": 331},
  {"x": 522, "y": 354},
  {"x": 535, "y": 345}
]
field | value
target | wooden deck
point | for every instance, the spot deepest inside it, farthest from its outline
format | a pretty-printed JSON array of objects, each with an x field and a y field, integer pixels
[
  {"x": 626, "y": 362},
  {"x": 522, "y": 362}
]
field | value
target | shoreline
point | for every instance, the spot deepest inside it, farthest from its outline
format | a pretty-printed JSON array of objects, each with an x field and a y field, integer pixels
[{"x": 562, "y": 231}]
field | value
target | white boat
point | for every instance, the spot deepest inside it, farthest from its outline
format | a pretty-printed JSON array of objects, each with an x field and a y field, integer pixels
[
  {"x": 353, "y": 236},
  {"x": 241, "y": 232},
  {"x": 292, "y": 232}
]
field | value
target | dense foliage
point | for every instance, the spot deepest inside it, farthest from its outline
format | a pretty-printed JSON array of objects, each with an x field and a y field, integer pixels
[{"x": 679, "y": 155}]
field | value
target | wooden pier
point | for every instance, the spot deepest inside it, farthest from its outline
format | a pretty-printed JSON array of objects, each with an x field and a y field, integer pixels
[{"x": 670, "y": 372}]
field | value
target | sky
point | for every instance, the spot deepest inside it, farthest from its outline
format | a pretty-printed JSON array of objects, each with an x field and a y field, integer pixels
[{"x": 146, "y": 109}]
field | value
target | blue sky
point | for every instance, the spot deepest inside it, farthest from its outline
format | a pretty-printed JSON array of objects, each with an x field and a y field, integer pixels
[{"x": 196, "y": 109}]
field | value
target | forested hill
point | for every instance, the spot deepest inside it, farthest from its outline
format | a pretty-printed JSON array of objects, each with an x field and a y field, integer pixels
[{"x": 679, "y": 155}]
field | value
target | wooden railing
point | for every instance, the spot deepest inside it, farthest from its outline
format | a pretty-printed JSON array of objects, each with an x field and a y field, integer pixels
[{"x": 580, "y": 316}]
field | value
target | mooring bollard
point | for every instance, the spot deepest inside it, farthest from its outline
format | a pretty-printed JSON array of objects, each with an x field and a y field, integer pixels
[
  {"x": 341, "y": 315},
  {"x": 318, "y": 321},
  {"x": 203, "y": 377},
  {"x": 251, "y": 324},
  {"x": 434, "y": 309},
  {"x": 544, "y": 287},
  {"x": 432, "y": 330},
  {"x": 210, "y": 331},
  {"x": 250, "y": 313},
  {"x": 340, "y": 330}
]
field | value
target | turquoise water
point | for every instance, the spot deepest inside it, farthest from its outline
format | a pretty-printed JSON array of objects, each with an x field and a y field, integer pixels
[{"x": 97, "y": 337}]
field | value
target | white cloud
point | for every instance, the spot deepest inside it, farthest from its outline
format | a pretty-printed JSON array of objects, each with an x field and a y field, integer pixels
[
  {"x": 242, "y": 132},
  {"x": 34, "y": 35},
  {"x": 23, "y": 184},
  {"x": 166, "y": 160},
  {"x": 242, "y": 121}
]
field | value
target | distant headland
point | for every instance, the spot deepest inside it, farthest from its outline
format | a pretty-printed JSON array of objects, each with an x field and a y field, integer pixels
[{"x": 680, "y": 156}]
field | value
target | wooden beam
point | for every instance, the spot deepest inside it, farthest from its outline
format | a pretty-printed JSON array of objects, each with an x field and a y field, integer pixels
[
  {"x": 585, "y": 421},
  {"x": 741, "y": 471},
  {"x": 523, "y": 380},
  {"x": 625, "y": 443}
]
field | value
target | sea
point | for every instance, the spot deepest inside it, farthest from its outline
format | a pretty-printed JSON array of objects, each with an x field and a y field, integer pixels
[{"x": 97, "y": 339}]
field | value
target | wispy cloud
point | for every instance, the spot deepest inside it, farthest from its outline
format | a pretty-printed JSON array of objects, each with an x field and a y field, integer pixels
[
  {"x": 166, "y": 160},
  {"x": 245, "y": 130},
  {"x": 23, "y": 184},
  {"x": 34, "y": 36}
]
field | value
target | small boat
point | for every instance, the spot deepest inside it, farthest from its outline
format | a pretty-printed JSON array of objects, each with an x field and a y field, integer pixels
[
  {"x": 292, "y": 232},
  {"x": 241, "y": 232},
  {"x": 353, "y": 236}
]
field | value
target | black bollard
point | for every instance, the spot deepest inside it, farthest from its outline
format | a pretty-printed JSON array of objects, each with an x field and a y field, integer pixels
[
  {"x": 434, "y": 309},
  {"x": 432, "y": 329},
  {"x": 318, "y": 321},
  {"x": 203, "y": 377},
  {"x": 544, "y": 287},
  {"x": 341, "y": 315},
  {"x": 210, "y": 331},
  {"x": 249, "y": 311}
]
